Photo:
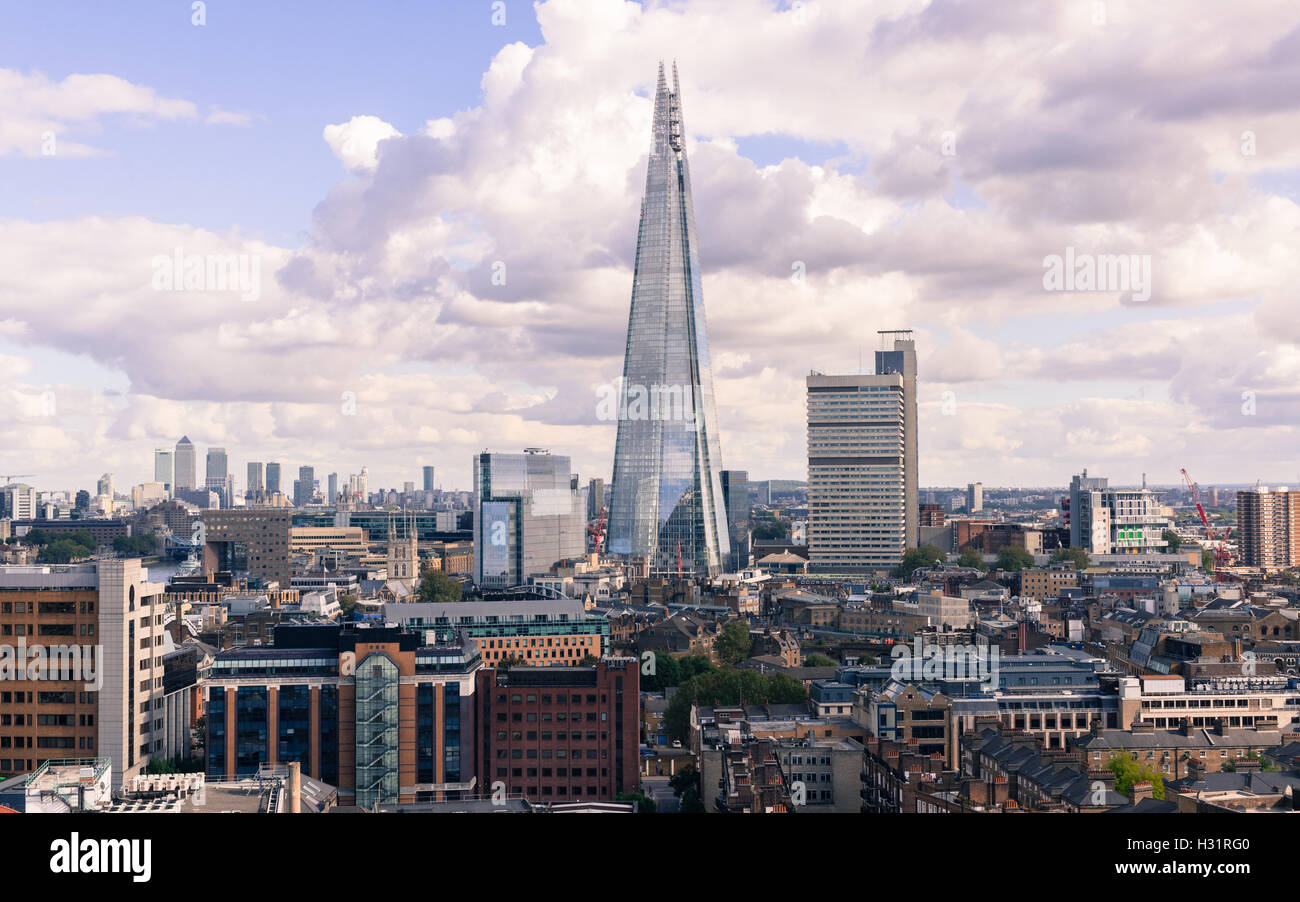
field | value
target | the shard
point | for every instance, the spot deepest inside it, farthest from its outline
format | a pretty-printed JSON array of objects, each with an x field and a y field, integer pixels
[{"x": 666, "y": 502}]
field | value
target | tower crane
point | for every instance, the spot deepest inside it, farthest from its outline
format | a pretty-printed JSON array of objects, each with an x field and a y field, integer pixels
[{"x": 1221, "y": 556}]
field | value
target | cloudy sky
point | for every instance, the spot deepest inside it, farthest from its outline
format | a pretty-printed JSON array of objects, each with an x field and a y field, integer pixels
[{"x": 916, "y": 162}]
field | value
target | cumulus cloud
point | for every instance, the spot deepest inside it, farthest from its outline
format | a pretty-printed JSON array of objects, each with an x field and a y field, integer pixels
[{"x": 470, "y": 283}]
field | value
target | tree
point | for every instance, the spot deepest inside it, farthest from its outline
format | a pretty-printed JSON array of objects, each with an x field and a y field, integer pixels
[
  {"x": 1013, "y": 559},
  {"x": 684, "y": 779},
  {"x": 1207, "y": 560},
  {"x": 667, "y": 672},
  {"x": 588, "y": 660},
  {"x": 771, "y": 530},
  {"x": 1127, "y": 772},
  {"x": 733, "y": 643},
  {"x": 1076, "y": 556},
  {"x": 916, "y": 559},
  {"x": 63, "y": 551},
  {"x": 140, "y": 545},
  {"x": 644, "y": 804},
  {"x": 728, "y": 687},
  {"x": 972, "y": 558},
  {"x": 438, "y": 586},
  {"x": 1172, "y": 539},
  {"x": 816, "y": 660}
]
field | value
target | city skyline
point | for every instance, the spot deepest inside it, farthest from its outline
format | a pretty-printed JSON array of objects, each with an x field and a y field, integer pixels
[{"x": 823, "y": 222}]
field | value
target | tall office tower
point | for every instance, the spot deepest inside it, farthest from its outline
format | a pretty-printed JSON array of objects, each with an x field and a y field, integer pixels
[
  {"x": 1269, "y": 527},
  {"x": 975, "y": 497},
  {"x": 332, "y": 496},
  {"x": 863, "y": 505},
  {"x": 187, "y": 478},
  {"x": 18, "y": 501},
  {"x": 105, "y": 486},
  {"x": 305, "y": 487},
  {"x": 408, "y": 489},
  {"x": 108, "y": 618},
  {"x": 272, "y": 478},
  {"x": 428, "y": 478},
  {"x": 363, "y": 485},
  {"x": 217, "y": 475},
  {"x": 256, "y": 490},
  {"x": 735, "y": 498},
  {"x": 528, "y": 514},
  {"x": 164, "y": 467},
  {"x": 595, "y": 498},
  {"x": 1114, "y": 521},
  {"x": 666, "y": 501}
]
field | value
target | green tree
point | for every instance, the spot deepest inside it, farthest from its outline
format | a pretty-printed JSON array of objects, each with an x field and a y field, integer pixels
[
  {"x": 1127, "y": 772},
  {"x": 817, "y": 660},
  {"x": 1073, "y": 555},
  {"x": 691, "y": 803},
  {"x": 728, "y": 687},
  {"x": 916, "y": 559},
  {"x": 733, "y": 643},
  {"x": 64, "y": 551},
  {"x": 771, "y": 530},
  {"x": 438, "y": 586},
  {"x": 667, "y": 672},
  {"x": 1013, "y": 559},
  {"x": 972, "y": 558},
  {"x": 644, "y": 804},
  {"x": 1207, "y": 560},
  {"x": 1172, "y": 540}
]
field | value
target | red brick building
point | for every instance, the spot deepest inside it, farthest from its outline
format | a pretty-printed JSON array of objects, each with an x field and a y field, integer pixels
[{"x": 560, "y": 734}]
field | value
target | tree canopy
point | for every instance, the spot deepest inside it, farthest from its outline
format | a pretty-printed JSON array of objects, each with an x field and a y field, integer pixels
[
  {"x": 916, "y": 559},
  {"x": 729, "y": 687},
  {"x": 438, "y": 586}
]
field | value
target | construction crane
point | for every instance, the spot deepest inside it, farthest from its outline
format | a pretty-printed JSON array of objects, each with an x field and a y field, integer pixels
[
  {"x": 10, "y": 477},
  {"x": 599, "y": 531},
  {"x": 1221, "y": 556}
]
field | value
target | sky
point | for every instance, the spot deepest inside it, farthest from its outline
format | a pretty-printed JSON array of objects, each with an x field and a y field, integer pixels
[{"x": 439, "y": 201}]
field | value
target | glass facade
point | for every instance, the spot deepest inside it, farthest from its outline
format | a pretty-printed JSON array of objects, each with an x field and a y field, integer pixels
[
  {"x": 666, "y": 500},
  {"x": 216, "y": 741},
  {"x": 294, "y": 725},
  {"x": 530, "y": 514},
  {"x": 329, "y": 734},
  {"x": 250, "y": 728},
  {"x": 376, "y": 731}
]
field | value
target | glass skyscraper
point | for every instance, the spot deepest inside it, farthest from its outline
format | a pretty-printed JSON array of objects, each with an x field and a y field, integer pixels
[{"x": 666, "y": 499}]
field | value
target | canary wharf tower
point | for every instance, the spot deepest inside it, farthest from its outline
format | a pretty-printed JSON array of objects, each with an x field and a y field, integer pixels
[{"x": 666, "y": 503}]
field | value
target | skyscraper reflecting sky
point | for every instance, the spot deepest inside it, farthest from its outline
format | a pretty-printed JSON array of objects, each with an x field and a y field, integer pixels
[{"x": 666, "y": 500}]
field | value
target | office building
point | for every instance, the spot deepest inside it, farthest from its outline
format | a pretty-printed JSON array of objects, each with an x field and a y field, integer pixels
[
  {"x": 735, "y": 498},
  {"x": 385, "y": 715},
  {"x": 975, "y": 497},
  {"x": 249, "y": 541},
  {"x": 666, "y": 503},
  {"x": 528, "y": 514},
  {"x": 186, "y": 466},
  {"x": 551, "y": 631},
  {"x": 561, "y": 734},
  {"x": 428, "y": 478},
  {"x": 104, "y": 488},
  {"x": 332, "y": 494},
  {"x": 164, "y": 467},
  {"x": 18, "y": 501},
  {"x": 305, "y": 487},
  {"x": 1268, "y": 523},
  {"x": 863, "y": 505},
  {"x": 1114, "y": 521},
  {"x": 256, "y": 489},
  {"x": 99, "y": 628},
  {"x": 273, "y": 479},
  {"x": 595, "y": 497}
]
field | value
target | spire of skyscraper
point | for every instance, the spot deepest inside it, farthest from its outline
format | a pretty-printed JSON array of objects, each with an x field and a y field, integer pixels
[{"x": 666, "y": 499}]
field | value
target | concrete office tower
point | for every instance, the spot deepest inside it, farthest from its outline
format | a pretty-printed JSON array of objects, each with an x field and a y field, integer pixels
[
  {"x": 186, "y": 466},
  {"x": 108, "y": 604},
  {"x": 1114, "y": 521},
  {"x": 735, "y": 496},
  {"x": 975, "y": 497},
  {"x": 256, "y": 480},
  {"x": 666, "y": 503},
  {"x": 428, "y": 478},
  {"x": 305, "y": 487},
  {"x": 273, "y": 478},
  {"x": 333, "y": 494},
  {"x": 528, "y": 514},
  {"x": 18, "y": 501},
  {"x": 164, "y": 467},
  {"x": 596, "y": 498},
  {"x": 863, "y": 505},
  {"x": 1268, "y": 523}
]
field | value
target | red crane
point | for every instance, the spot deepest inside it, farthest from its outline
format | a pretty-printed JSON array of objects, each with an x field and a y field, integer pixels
[
  {"x": 599, "y": 531},
  {"x": 1221, "y": 556}
]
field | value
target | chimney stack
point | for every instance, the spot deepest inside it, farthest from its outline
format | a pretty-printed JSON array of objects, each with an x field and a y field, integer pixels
[{"x": 295, "y": 787}]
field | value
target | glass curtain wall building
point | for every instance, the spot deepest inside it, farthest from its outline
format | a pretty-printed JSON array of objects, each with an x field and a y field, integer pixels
[{"x": 666, "y": 500}]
